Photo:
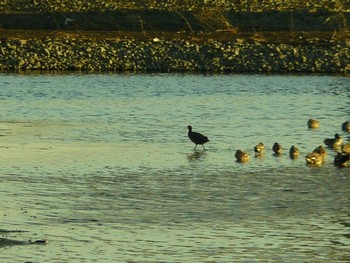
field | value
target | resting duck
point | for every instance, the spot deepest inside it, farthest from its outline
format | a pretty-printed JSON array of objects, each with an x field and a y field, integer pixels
[
  {"x": 345, "y": 148},
  {"x": 277, "y": 148},
  {"x": 320, "y": 150},
  {"x": 346, "y": 126},
  {"x": 314, "y": 158},
  {"x": 342, "y": 160},
  {"x": 294, "y": 152},
  {"x": 313, "y": 124},
  {"x": 259, "y": 148},
  {"x": 196, "y": 137},
  {"x": 241, "y": 156},
  {"x": 334, "y": 142}
]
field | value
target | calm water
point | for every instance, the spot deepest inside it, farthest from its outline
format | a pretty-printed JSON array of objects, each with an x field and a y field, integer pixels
[{"x": 101, "y": 167}]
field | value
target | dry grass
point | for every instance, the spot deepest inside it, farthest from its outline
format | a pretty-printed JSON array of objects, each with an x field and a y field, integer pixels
[{"x": 222, "y": 35}]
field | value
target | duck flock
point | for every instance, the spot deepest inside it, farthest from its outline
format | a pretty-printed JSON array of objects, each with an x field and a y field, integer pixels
[{"x": 316, "y": 157}]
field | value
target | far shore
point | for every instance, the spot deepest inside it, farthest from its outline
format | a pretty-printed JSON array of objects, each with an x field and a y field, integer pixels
[
  {"x": 210, "y": 38},
  {"x": 215, "y": 52}
]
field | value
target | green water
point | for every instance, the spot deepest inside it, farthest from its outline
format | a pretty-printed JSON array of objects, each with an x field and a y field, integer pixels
[{"x": 100, "y": 166}]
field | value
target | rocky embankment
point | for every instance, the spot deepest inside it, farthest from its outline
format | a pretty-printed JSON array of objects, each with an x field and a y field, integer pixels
[
  {"x": 172, "y": 55},
  {"x": 184, "y": 36}
]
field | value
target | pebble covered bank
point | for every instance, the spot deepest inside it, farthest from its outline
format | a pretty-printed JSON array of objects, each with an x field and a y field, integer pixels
[
  {"x": 172, "y": 55},
  {"x": 64, "y": 51}
]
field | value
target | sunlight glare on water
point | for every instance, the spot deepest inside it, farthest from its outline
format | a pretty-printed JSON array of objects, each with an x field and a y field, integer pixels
[{"x": 100, "y": 165}]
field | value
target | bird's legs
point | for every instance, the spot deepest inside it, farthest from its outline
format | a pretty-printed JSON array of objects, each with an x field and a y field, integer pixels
[{"x": 196, "y": 147}]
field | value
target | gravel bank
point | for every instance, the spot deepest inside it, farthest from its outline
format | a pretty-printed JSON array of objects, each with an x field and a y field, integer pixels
[{"x": 157, "y": 55}]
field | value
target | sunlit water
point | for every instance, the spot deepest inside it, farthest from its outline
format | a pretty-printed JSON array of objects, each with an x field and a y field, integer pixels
[{"x": 101, "y": 167}]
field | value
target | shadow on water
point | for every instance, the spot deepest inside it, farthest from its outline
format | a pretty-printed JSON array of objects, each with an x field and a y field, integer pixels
[{"x": 4, "y": 242}]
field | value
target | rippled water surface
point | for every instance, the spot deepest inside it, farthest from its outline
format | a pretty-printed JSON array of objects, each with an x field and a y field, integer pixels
[{"x": 100, "y": 166}]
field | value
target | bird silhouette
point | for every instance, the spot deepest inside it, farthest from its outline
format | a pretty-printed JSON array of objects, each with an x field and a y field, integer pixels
[{"x": 196, "y": 137}]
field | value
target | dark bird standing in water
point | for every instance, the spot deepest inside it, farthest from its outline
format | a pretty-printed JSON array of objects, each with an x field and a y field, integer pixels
[{"x": 196, "y": 137}]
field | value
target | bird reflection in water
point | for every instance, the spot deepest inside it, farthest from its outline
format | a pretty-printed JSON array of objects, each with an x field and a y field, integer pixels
[{"x": 196, "y": 156}]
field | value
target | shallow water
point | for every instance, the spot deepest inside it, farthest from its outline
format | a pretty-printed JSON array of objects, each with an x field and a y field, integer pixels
[{"x": 101, "y": 167}]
